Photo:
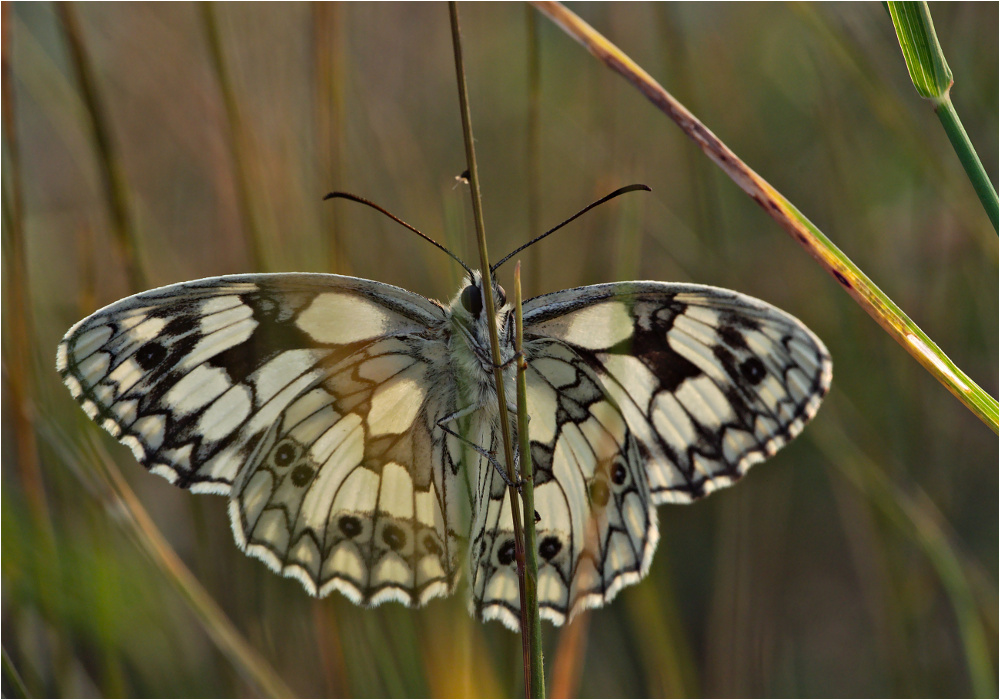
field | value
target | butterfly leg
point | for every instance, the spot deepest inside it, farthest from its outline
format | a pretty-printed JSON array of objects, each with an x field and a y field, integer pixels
[
  {"x": 507, "y": 363},
  {"x": 488, "y": 455}
]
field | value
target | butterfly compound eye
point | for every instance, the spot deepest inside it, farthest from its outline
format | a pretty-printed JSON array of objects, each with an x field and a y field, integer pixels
[
  {"x": 501, "y": 296},
  {"x": 472, "y": 300}
]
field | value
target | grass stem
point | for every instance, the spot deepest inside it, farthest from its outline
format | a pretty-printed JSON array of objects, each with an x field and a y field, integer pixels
[
  {"x": 967, "y": 155},
  {"x": 490, "y": 310},
  {"x": 112, "y": 177},
  {"x": 534, "y": 623},
  {"x": 237, "y": 138}
]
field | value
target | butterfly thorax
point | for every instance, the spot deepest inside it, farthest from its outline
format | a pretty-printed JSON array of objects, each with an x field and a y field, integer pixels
[{"x": 469, "y": 343}]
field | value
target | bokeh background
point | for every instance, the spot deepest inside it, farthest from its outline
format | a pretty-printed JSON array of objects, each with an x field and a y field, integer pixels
[{"x": 860, "y": 561}]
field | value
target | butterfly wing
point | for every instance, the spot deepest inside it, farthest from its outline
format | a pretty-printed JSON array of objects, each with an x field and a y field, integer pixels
[
  {"x": 709, "y": 381},
  {"x": 309, "y": 399},
  {"x": 596, "y": 529},
  {"x": 639, "y": 393}
]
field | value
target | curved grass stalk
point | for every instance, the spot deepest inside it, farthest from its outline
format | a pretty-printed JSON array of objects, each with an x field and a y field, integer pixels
[
  {"x": 100, "y": 475},
  {"x": 872, "y": 299}
]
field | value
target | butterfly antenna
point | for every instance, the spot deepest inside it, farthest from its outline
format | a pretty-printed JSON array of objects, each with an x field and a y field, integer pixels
[
  {"x": 602, "y": 200},
  {"x": 373, "y": 205}
]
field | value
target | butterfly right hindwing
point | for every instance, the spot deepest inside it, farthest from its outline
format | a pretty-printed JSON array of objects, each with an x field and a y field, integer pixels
[{"x": 597, "y": 529}]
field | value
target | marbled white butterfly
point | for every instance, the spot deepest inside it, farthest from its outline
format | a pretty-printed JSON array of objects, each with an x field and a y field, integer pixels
[{"x": 339, "y": 416}]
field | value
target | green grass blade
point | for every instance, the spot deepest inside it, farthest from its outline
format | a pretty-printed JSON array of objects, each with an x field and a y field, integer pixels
[
  {"x": 922, "y": 52},
  {"x": 933, "y": 79}
]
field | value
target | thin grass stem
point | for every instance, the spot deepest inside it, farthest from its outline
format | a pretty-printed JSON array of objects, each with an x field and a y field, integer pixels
[
  {"x": 237, "y": 138},
  {"x": 490, "y": 309},
  {"x": 328, "y": 47},
  {"x": 19, "y": 369},
  {"x": 537, "y": 670},
  {"x": 534, "y": 146},
  {"x": 12, "y": 678},
  {"x": 115, "y": 188},
  {"x": 872, "y": 299},
  {"x": 966, "y": 152},
  {"x": 213, "y": 620}
]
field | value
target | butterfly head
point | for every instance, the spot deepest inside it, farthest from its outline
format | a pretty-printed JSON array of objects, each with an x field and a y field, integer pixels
[{"x": 471, "y": 299}]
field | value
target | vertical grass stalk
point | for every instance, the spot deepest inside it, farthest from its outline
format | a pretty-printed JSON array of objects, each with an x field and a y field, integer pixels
[
  {"x": 490, "y": 310},
  {"x": 536, "y": 679},
  {"x": 17, "y": 298},
  {"x": 932, "y": 78},
  {"x": 113, "y": 179},
  {"x": 534, "y": 144},
  {"x": 237, "y": 138},
  {"x": 328, "y": 47}
]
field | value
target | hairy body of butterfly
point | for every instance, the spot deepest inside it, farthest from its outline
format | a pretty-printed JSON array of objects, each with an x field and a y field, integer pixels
[{"x": 352, "y": 423}]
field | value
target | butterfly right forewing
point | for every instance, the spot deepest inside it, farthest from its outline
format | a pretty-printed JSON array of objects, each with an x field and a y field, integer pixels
[{"x": 709, "y": 380}]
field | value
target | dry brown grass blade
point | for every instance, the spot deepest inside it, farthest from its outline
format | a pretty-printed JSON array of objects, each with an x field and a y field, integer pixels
[
  {"x": 216, "y": 623},
  {"x": 848, "y": 275}
]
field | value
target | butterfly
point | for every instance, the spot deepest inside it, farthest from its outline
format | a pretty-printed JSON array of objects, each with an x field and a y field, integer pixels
[{"x": 354, "y": 425}]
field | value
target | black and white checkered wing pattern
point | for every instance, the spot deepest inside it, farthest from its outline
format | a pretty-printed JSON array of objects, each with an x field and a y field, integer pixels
[
  {"x": 709, "y": 381},
  {"x": 308, "y": 399},
  {"x": 596, "y": 528}
]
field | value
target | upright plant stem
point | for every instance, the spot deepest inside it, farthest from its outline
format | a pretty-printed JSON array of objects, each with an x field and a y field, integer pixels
[
  {"x": 237, "y": 138},
  {"x": 328, "y": 46},
  {"x": 113, "y": 180},
  {"x": 537, "y": 670},
  {"x": 533, "y": 154},
  {"x": 527, "y": 649}
]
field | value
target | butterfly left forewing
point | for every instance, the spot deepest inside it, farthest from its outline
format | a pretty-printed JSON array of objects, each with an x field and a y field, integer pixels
[
  {"x": 189, "y": 375},
  {"x": 309, "y": 399}
]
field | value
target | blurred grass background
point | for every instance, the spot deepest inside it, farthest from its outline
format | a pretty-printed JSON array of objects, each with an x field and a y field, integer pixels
[{"x": 862, "y": 560}]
